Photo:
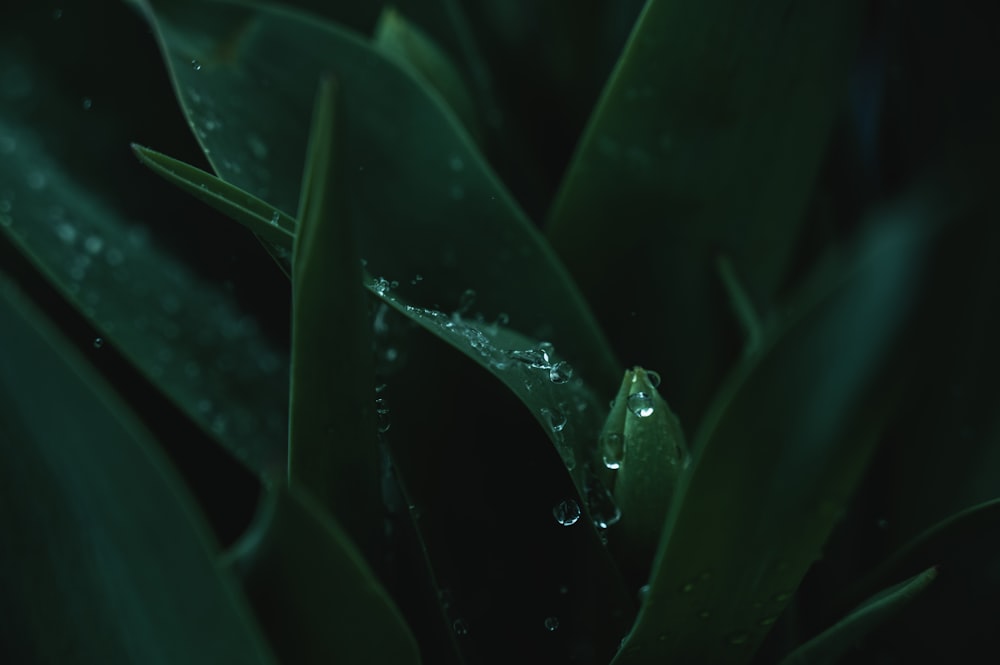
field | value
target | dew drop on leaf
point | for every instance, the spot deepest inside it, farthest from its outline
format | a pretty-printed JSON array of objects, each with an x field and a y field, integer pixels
[
  {"x": 641, "y": 404},
  {"x": 554, "y": 418},
  {"x": 551, "y": 623},
  {"x": 567, "y": 512},
  {"x": 560, "y": 373}
]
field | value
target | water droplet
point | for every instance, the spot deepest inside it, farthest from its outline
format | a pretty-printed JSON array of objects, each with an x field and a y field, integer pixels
[
  {"x": 257, "y": 146},
  {"x": 551, "y": 623},
  {"x": 641, "y": 404},
  {"x": 417, "y": 278},
  {"x": 195, "y": 65},
  {"x": 502, "y": 319},
  {"x": 567, "y": 512},
  {"x": 93, "y": 244},
  {"x": 66, "y": 233},
  {"x": 560, "y": 373},
  {"x": 381, "y": 285},
  {"x": 37, "y": 180},
  {"x": 643, "y": 593},
  {"x": 382, "y": 415},
  {"x": 554, "y": 417},
  {"x": 613, "y": 447},
  {"x": 654, "y": 378},
  {"x": 87, "y": 103},
  {"x": 98, "y": 342},
  {"x": 466, "y": 300},
  {"x": 456, "y": 163},
  {"x": 275, "y": 217},
  {"x": 460, "y": 627},
  {"x": 601, "y": 504}
]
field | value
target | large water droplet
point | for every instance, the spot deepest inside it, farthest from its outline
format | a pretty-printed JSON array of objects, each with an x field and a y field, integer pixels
[
  {"x": 551, "y": 623},
  {"x": 98, "y": 342},
  {"x": 555, "y": 419},
  {"x": 601, "y": 504},
  {"x": 560, "y": 373},
  {"x": 641, "y": 404},
  {"x": 567, "y": 512},
  {"x": 612, "y": 448},
  {"x": 87, "y": 103},
  {"x": 195, "y": 65},
  {"x": 654, "y": 378}
]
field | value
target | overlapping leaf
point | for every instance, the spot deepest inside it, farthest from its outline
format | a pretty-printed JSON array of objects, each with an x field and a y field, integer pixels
[
  {"x": 424, "y": 201},
  {"x": 706, "y": 139}
]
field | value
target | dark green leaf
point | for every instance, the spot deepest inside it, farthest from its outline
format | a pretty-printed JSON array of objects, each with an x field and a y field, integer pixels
[
  {"x": 312, "y": 591},
  {"x": 407, "y": 44},
  {"x": 778, "y": 458},
  {"x": 105, "y": 557},
  {"x": 972, "y": 529},
  {"x": 273, "y": 227},
  {"x": 187, "y": 336},
  {"x": 838, "y": 639},
  {"x": 332, "y": 446},
  {"x": 425, "y": 201},
  {"x": 706, "y": 139}
]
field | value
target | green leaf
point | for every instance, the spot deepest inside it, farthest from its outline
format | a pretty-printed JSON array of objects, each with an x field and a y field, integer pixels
[
  {"x": 643, "y": 440},
  {"x": 778, "y": 458},
  {"x": 838, "y": 639},
  {"x": 312, "y": 590},
  {"x": 273, "y": 227},
  {"x": 186, "y": 335},
  {"x": 971, "y": 529},
  {"x": 408, "y": 45},
  {"x": 425, "y": 201},
  {"x": 332, "y": 446},
  {"x": 706, "y": 139},
  {"x": 106, "y": 557},
  {"x": 569, "y": 413}
]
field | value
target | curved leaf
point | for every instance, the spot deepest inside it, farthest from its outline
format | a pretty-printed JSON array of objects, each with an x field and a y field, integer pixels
[
  {"x": 777, "y": 459},
  {"x": 425, "y": 202},
  {"x": 105, "y": 557},
  {"x": 834, "y": 642},
  {"x": 707, "y": 138},
  {"x": 972, "y": 529}
]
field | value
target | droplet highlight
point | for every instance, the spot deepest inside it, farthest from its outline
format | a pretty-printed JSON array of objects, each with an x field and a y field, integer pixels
[
  {"x": 567, "y": 512},
  {"x": 641, "y": 404}
]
